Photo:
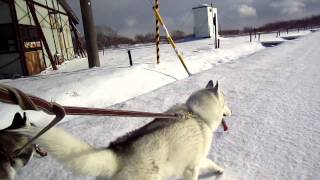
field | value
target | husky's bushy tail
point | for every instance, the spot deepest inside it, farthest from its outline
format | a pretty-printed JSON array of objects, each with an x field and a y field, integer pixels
[{"x": 76, "y": 154}]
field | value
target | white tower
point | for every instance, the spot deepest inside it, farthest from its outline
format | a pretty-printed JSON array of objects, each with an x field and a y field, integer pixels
[{"x": 205, "y": 19}]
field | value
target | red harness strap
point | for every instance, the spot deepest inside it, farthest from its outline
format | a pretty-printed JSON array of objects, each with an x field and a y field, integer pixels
[{"x": 29, "y": 102}]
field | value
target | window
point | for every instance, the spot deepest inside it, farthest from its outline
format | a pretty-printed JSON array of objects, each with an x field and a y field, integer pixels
[{"x": 7, "y": 42}]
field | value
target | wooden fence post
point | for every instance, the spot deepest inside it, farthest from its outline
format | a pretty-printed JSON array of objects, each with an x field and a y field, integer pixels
[{"x": 130, "y": 58}]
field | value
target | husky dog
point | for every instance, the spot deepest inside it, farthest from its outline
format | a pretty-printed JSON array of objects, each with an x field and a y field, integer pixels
[
  {"x": 161, "y": 149},
  {"x": 10, "y": 142}
]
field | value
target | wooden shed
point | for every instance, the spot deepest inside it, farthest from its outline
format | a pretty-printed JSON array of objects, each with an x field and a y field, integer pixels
[{"x": 35, "y": 34}]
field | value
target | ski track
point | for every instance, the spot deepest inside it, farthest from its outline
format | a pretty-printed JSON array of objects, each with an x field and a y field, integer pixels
[{"x": 274, "y": 132}]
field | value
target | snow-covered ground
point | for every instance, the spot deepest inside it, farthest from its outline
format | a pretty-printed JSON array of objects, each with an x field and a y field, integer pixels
[
  {"x": 274, "y": 94},
  {"x": 115, "y": 81}
]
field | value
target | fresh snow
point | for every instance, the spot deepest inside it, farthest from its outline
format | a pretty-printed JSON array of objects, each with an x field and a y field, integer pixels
[{"x": 274, "y": 94}]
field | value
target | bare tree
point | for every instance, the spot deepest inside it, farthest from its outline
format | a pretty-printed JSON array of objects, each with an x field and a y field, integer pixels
[
  {"x": 147, "y": 38},
  {"x": 108, "y": 37}
]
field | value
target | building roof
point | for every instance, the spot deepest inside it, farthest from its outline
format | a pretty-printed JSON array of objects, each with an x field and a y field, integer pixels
[
  {"x": 202, "y": 6},
  {"x": 69, "y": 11}
]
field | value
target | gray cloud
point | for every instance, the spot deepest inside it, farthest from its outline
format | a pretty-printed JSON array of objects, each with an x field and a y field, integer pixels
[
  {"x": 131, "y": 17},
  {"x": 289, "y": 6},
  {"x": 246, "y": 11}
]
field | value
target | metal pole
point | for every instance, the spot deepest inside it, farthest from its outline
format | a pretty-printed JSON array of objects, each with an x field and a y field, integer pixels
[
  {"x": 19, "y": 42},
  {"x": 78, "y": 42},
  {"x": 64, "y": 39},
  {"x": 58, "y": 30},
  {"x": 157, "y": 33},
  {"x": 90, "y": 33}
]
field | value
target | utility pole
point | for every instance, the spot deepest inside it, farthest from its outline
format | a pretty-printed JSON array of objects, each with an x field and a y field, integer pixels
[{"x": 90, "y": 33}]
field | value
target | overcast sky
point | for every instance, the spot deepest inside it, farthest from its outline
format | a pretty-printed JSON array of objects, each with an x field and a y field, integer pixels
[{"x": 131, "y": 17}]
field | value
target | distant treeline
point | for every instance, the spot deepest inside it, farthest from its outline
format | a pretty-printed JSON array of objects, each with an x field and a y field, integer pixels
[
  {"x": 304, "y": 23},
  {"x": 108, "y": 37}
]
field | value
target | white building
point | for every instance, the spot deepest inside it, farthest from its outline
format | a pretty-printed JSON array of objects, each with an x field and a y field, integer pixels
[{"x": 205, "y": 19}]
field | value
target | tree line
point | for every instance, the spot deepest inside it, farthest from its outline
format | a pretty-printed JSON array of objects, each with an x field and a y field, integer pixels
[
  {"x": 108, "y": 37},
  {"x": 303, "y": 23}
]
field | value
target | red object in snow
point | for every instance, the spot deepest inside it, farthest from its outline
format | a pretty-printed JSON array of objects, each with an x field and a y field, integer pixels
[{"x": 224, "y": 124}]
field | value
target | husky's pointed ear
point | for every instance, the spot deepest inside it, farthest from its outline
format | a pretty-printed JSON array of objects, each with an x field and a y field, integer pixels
[
  {"x": 17, "y": 117},
  {"x": 216, "y": 87},
  {"x": 25, "y": 117},
  {"x": 18, "y": 122},
  {"x": 210, "y": 84}
]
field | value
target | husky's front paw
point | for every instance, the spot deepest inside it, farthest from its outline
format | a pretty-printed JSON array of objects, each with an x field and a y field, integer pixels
[
  {"x": 218, "y": 170},
  {"x": 209, "y": 166}
]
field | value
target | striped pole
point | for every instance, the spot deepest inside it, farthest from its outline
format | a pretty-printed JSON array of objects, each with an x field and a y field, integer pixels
[
  {"x": 170, "y": 40},
  {"x": 157, "y": 33}
]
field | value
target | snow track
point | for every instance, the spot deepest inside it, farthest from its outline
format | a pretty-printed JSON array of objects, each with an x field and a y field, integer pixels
[{"x": 274, "y": 131}]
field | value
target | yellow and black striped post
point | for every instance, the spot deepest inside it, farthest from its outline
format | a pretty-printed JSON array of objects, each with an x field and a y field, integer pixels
[
  {"x": 157, "y": 33},
  {"x": 170, "y": 40}
]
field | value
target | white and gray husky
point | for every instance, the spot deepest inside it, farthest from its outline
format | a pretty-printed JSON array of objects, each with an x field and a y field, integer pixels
[
  {"x": 10, "y": 142},
  {"x": 161, "y": 149}
]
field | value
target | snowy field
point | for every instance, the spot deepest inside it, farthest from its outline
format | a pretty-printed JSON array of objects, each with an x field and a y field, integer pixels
[
  {"x": 115, "y": 81},
  {"x": 273, "y": 92}
]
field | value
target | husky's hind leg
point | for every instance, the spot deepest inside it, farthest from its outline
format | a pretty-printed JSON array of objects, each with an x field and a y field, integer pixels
[
  {"x": 191, "y": 173},
  {"x": 208, "y": 165},
  {"x": 7, "y": 172}
]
